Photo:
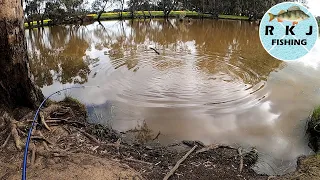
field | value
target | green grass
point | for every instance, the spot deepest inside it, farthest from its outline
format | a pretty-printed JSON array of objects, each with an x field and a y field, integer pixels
[
  {"x": 233, "y": 17},
  {"x": 137, "y": 14},
  {"x": 316, "y": 113}
]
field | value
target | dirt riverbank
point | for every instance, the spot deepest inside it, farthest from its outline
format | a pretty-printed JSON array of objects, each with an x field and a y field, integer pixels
[{"x": 67, "y": 147}]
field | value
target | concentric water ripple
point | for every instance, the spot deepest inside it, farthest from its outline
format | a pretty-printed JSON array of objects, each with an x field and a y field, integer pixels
[{"x": 212, "y": 81}]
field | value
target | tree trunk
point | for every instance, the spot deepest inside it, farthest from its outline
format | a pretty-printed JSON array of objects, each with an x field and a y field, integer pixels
[{"x": 16, "y": 87}]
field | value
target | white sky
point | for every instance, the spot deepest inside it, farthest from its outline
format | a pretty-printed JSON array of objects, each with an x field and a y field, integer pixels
[{"x": 314, "y": 6}]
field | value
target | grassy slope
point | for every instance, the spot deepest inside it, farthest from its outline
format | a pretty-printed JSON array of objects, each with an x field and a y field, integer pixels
[{"x": 111, "y": 15}]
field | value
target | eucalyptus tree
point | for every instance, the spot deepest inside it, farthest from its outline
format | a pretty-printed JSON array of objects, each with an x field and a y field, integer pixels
[
  {"x": 100, "y": 6},
  {"x": 16, "y": 86}
]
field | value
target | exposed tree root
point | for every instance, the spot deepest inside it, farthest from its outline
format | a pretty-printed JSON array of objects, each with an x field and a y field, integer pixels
[
  {"x": 6, "y": 141},
  {"x": 42, "y": 120}
]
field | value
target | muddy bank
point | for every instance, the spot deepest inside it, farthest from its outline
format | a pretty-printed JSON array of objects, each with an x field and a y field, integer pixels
[{"x": 65, "y": 146}]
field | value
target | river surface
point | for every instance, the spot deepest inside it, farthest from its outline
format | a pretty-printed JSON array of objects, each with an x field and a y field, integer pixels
[{"x": 212, "y": 81}]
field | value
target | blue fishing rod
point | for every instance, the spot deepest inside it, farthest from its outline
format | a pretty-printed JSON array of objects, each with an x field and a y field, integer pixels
[{"x": 25, "y": 155}]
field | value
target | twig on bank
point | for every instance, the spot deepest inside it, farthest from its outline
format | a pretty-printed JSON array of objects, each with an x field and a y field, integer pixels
[
  {"x": 155, "y": 50},
  {"x": 138, "y": 161},
  {"x": 179, "y": 162},
  {"x": 214, "y": 146},
  {"x": 157, "y": 136},
  {"x": 66, "y": 121},
  {"x": 92, "y": 138},
  {"x": 241, "y": 159}
]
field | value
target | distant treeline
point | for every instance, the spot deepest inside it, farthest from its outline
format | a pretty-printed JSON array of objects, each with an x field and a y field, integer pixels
[{"x": 75, "y": 11}]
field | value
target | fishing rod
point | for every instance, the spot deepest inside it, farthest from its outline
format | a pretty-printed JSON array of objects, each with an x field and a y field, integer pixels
[{"x": 25, "y": 155}]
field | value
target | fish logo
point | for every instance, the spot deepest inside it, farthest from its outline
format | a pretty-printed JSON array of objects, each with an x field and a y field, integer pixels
[{"x": 294, "y": 14}]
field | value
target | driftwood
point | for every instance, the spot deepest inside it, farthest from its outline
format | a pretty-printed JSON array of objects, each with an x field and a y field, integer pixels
[{"x": 179, "y": 162}]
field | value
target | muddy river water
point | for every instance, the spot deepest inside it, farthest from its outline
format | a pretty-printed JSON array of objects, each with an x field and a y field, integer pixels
[{"x": 211, "y": 81}]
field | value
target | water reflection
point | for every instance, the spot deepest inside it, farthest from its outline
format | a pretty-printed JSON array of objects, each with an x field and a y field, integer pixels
[{"x": 212, "y": 82}]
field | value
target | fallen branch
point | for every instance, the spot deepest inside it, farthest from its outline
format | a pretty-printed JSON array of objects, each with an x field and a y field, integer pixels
[
  {"x": 92, "y": 138},
  {"x": 179, "y": 162},
  {"x": 66, "y": 121},
  {"x": 138, "y": 161},
  {"x": 241, "y": 159},
  {"x": 212, "y": 146}
]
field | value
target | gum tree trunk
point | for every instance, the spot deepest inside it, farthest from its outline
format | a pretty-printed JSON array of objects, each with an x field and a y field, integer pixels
[{"x": 16, "y": 86}]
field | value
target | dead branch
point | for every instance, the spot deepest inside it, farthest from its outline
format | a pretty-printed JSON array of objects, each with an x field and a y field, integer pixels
[
  {"x": 42, "y": 120},
  {"x": 157, "y": 136},
  {"x": 92, "y": 138},
  {"x": 212, "y": 146},
  {"x": 179, "y": 162},
  {"x": 6, "y": 141},
  {"x": 138, "y": 161},
  {"x": 241, "y": 159}
]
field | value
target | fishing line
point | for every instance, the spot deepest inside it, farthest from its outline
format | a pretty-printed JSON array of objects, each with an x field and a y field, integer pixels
[{"x": 25, "y": 155}]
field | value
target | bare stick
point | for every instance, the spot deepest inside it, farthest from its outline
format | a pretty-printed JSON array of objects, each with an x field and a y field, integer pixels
[
  {"x": 59, "y": 120},
  {"x": 6, "y": 141},
  {"x": 155, "y": 50},
  {"x": 157, "y": 136},
  {"x": 241, "y": 159},
  {"x": 214, "y": 146},
  {"x": 90, "y": 136},
  {"x": 43, "y": 121},
  {"x": 178, "y": 163},
  {"x": 138, "y": 161}
]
